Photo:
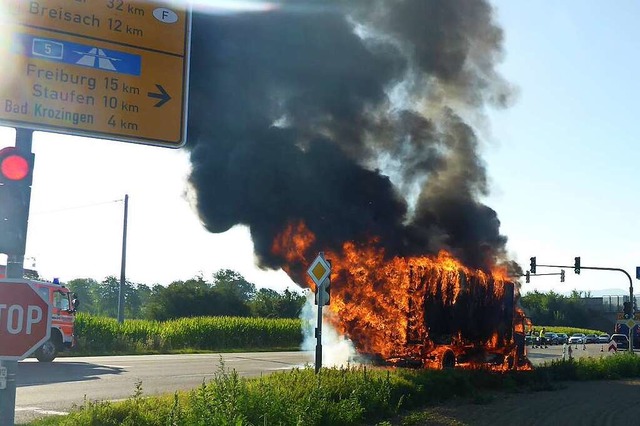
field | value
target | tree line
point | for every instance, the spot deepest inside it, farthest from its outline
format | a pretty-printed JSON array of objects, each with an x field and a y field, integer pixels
[
  {"x": 555, "y": 309},
  {"x": 230, "y": 294},
  {"x": 227, "y": 294}
]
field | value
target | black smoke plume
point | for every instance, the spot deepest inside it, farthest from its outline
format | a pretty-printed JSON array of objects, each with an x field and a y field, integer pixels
[{"x": 357, "y": 118}]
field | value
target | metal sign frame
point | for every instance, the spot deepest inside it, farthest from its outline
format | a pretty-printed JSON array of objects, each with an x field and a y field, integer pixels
[{"x": 119, "y": 109}]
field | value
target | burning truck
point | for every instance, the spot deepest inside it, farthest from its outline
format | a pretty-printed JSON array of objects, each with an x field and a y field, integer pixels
[
  {"x": 421, "y": 311},
  {"x": 355, "y": 128}
]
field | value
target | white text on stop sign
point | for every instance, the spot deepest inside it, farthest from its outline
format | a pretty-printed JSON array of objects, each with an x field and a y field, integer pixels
[{"x": 16, "y": 318}]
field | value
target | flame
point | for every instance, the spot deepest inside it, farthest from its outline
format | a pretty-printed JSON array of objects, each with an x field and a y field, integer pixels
[{"x": 415, "y": 310}]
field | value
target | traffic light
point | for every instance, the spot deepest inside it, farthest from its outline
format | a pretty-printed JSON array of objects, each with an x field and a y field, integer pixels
[
  {"x": 576, "y": 265},
  {"x": 628, "y": 310},
  {"x": 326, "y": 297},
  {"x": 532, "y": 268},
  {"x": 324, "y": 292},
  {"x": 561, "y": 275},
  {"x": 16, "y": 175},
  {"x": 527, "y": 278}
]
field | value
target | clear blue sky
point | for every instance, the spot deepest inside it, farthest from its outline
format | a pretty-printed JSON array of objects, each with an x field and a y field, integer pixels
[
  {"x": 562, "y": 162},
  {"x": 564, "y": 158}
]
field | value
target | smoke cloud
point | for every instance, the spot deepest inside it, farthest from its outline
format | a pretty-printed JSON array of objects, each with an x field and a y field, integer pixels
[{"x": 357, "y": 118}]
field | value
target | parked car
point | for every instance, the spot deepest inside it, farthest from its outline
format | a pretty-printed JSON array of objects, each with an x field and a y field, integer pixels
[
  {"x": 591, "y": 338},
  {"x": 562, "y": 338},
  {"x": 621, "y": 341},
  {"x": 577, "y": 338},
  {"x": 530, "y": 340},
  {"x": 551, "y": 338},
  {"x": 604, "y": 338}
]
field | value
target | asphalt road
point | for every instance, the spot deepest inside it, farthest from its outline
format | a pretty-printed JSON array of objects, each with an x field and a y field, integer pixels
[
  {"x": 54, "y": 388},
  {"x": 538, "y": 356},
  {"x": 45, "y": 389}
]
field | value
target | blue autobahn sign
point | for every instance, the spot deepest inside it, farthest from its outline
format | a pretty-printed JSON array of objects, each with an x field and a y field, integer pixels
[{"x": 80, "y": 55}]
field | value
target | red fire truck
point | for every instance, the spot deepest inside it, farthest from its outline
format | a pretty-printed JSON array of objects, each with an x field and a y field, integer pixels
[
  {"x": 63, "y": 314},
  {"x": 63, "y": 304}
]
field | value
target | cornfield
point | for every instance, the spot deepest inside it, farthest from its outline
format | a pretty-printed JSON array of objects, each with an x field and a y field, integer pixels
[{"x": 101, "y": 335}]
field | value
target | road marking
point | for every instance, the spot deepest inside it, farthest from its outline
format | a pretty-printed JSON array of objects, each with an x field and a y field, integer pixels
[
  {"x": 43, "y": 411},
  {"x": 195, "y": 375}
]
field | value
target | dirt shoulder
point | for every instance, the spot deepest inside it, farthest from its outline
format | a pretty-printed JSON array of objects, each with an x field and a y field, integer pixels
[{"x": 601, "y": 403}]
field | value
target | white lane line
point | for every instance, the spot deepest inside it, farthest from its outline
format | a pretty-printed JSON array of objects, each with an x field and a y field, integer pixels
[{"x": 42, "y": 411}]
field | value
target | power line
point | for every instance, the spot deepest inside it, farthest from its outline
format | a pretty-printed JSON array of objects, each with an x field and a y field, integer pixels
[{"x": 84, "y": 206}]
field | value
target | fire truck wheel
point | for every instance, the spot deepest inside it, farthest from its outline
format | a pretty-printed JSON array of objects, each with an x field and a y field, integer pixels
[{"x": 47, "y": 352}]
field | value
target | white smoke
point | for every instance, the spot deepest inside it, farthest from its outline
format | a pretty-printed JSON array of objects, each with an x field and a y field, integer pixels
[{"x": 337, "y": 350}]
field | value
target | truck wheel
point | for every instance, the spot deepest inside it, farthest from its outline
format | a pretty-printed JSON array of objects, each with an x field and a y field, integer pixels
[
  {"x": 448, "y": 360},
  {"x": 47, "y": 352}
]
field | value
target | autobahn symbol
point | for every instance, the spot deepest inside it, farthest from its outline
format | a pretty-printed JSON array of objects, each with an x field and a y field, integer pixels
[{"x": 97, "y": 58}]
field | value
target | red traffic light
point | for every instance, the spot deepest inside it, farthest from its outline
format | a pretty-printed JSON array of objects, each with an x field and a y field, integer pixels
[{"x": 14, "y": 167}]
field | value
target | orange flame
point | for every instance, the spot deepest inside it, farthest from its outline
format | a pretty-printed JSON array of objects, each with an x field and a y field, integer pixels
[{"x": 400, "y": 309}]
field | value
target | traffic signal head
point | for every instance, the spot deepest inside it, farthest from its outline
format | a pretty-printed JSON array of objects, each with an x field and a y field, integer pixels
[
  {"x": 16, "y": 167},
  {"x": 323, "y": 292},
  {"x": 561, "y": 275},
  {"x": 326, "y": 297},
  {"x": 527, "y": 276},
  {"x": 628, "y": 310},
  {"x": 576, "y": 265},
  {"x": 532, "y": 267},
  {"x": 16, "y": 175}
]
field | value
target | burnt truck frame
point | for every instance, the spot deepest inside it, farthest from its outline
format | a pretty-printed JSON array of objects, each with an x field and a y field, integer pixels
[{"x": 475, "y": 323}]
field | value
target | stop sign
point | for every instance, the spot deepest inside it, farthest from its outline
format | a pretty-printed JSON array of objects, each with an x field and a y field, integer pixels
[{"x": 25, "y": 319}]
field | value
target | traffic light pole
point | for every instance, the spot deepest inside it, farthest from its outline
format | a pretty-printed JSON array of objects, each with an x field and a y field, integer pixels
[
  {"x": 15, "y": 269},
  {"x": 528, "y": 275},
  {"x": 540, "y": 275},
  {"x": 319, "y": 330},
  {"x": 597, "y": 268}
]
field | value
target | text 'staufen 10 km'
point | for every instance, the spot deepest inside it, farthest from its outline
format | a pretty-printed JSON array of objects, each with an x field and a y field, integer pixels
[{"x": 112, "y": 69}]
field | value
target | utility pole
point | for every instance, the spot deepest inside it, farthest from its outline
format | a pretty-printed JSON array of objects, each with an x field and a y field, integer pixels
[{"x": 124, "y": 261}]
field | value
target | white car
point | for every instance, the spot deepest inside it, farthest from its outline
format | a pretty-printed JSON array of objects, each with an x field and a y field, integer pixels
[
  {"x": 577, "y": 338},
  {"x": 604, "y": 338}
]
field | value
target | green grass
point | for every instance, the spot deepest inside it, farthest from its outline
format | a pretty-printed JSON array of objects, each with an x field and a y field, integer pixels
[
  {"x": 338, "y": 396},
  {"x": 570, "y": 330}
]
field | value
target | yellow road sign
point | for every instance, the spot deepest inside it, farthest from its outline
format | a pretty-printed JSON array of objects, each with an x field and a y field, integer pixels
[
  {"x": 110, "y": 69},
  {"x": 319, "y": 270}
]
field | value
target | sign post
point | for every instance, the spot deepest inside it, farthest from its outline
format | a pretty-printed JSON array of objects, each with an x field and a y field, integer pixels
[
  {"x": 319, "y": 271},
  {"x": 25, "y": 324},
  {"x": 110, "y": 69}
]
